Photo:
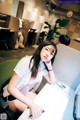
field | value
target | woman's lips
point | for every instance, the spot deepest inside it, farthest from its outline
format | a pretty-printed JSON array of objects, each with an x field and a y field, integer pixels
[{"x": 45, "y": 57}]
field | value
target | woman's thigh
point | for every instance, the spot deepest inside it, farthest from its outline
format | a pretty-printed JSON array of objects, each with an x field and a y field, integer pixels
[{"x": 20, "y": 106}]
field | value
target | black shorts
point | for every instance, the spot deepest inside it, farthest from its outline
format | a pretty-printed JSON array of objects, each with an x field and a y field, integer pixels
[{"x": 9, "y": 97}]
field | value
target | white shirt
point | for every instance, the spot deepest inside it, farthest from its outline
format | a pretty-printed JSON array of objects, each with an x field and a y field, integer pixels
[{"x": 22, "y": 70}]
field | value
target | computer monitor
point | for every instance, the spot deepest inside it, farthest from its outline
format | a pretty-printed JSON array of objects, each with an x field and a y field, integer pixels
[{"x": 66, "y": 65}]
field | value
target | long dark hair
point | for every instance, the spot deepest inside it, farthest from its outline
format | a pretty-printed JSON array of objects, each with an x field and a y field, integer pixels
[{"x": 36, "y": 57}]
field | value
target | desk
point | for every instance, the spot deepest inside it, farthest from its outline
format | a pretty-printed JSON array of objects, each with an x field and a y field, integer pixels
[{"x": 57, "y": 101}]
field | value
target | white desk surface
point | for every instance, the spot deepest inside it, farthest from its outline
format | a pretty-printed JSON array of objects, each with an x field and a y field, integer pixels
[{"x": 56, "y": 101}]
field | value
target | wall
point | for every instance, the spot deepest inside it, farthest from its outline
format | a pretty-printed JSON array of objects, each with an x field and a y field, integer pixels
[
  {"x": 9, "y": 7},
  {"x": 6, "y": 6},
  {"x": 14, "y": 7},
  {"x": 33, "y": 10},
  {"x": 38, "y": 8}
]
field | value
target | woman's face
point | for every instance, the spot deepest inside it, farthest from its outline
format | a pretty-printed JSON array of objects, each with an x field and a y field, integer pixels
[{"x": 47, "y": 53}]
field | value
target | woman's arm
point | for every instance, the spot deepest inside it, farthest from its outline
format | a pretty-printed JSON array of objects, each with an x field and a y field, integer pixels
[
  {"x": 50, "y": 77},
  {"x": 12, "y": 89},
  {"x": 34, "y": 108}
]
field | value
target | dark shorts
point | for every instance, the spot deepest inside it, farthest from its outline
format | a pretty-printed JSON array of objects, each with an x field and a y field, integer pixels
[{"x": 10, "y": 98}]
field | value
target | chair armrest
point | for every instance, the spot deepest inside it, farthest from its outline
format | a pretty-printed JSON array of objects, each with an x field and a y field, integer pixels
[{"x": 3, "y": 104}]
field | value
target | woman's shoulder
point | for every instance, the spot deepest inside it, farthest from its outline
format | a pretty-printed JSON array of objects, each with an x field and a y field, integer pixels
[
  {"x": 27, "y": 57},
  {"x": 42, "y": 66},
  {"x": 23, "y": 63},
  {"x": 25, "y": 60}
]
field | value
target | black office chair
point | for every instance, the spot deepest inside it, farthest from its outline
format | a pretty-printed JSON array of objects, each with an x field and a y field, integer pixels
[
  {"x": 5, "y": 44},
  {"x": 6, "y": 70},
  {"x": 4, "y": 36}
]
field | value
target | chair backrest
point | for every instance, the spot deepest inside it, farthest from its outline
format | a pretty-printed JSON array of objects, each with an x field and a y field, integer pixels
[
  {"x": 67, "y": 65},
  {"x": 6, "y": 70}
]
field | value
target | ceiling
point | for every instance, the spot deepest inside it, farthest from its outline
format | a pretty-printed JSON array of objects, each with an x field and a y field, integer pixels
[{"x": 56, "y": 7}]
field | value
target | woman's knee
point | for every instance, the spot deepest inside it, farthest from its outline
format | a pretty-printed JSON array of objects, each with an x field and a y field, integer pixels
[{"x": 12, "y": 106}]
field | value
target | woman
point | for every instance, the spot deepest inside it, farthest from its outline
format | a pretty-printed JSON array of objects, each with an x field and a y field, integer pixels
[{"x": 28, "y": 75}]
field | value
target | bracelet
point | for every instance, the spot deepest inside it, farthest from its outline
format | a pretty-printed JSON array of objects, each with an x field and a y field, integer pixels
[{"x": 50, "y": 70}]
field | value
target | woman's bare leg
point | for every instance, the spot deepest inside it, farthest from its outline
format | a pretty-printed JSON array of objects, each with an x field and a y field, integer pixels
[{"x": 17, "y": 105}]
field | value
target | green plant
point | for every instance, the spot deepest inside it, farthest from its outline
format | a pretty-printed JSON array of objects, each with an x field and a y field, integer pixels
[{"x": 54, "y": 31}]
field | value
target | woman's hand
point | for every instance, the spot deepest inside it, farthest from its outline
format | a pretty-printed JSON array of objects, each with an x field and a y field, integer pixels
[
  {"x": 50, "y": 77},
  {"x": 35, "y": 110},
  {"x": 48, "y": 64}
]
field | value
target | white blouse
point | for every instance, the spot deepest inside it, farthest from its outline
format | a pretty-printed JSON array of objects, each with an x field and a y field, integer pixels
[{"x": 22, "y": 70}]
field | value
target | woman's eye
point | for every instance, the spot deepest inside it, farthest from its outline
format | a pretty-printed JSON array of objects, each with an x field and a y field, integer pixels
[
  {"x": 46, "y": 49},
  {"x": 52, "y": 54}
]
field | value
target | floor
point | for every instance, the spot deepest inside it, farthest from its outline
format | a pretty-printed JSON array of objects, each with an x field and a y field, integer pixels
[{"x": 19, "y": 53}]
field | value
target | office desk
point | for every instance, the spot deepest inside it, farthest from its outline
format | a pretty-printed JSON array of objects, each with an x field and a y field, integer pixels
[{"x": 57, "y": 101}]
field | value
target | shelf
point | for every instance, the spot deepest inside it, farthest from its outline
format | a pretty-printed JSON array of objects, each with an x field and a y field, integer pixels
[{"x": 3, "y": 17}]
